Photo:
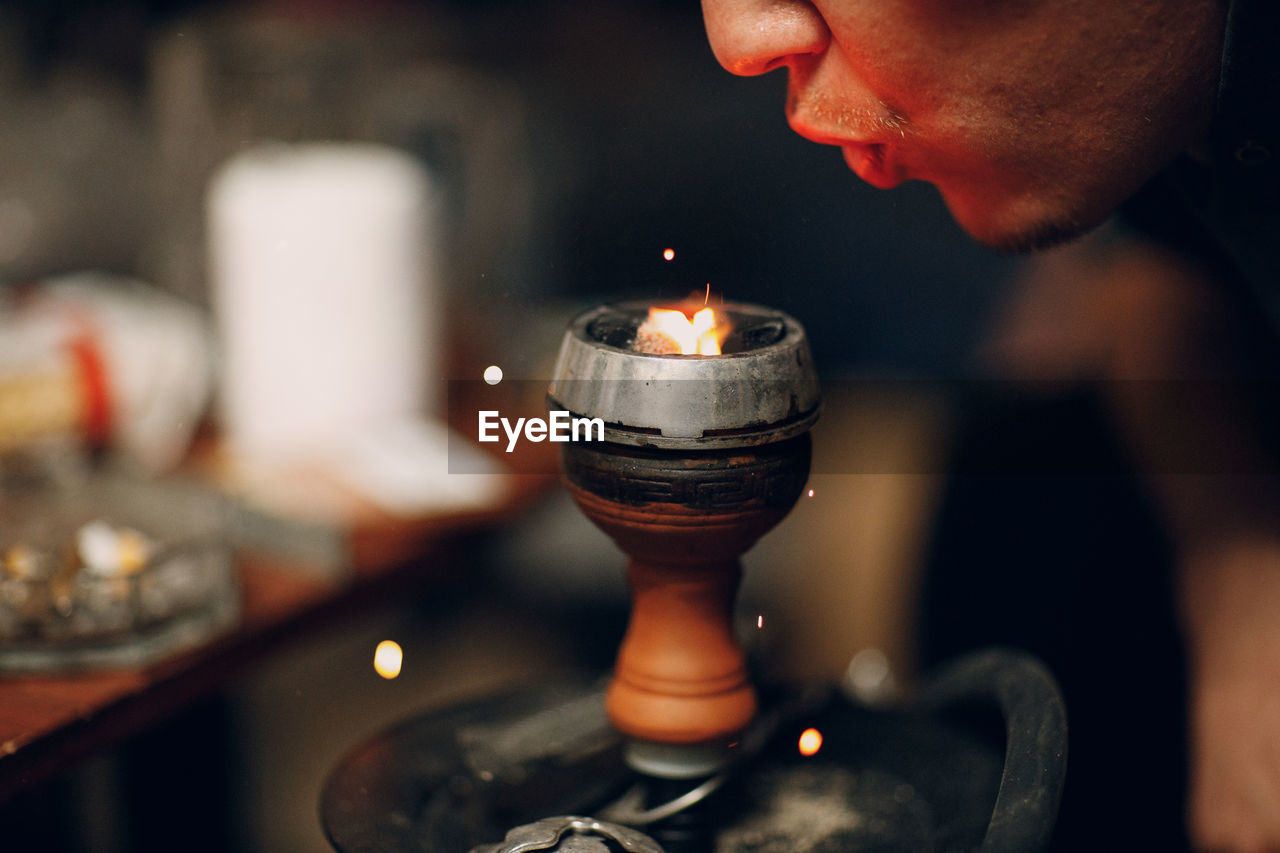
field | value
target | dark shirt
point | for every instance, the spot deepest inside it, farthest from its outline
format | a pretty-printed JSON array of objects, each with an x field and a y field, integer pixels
[{"x": 1227, "y": 212}]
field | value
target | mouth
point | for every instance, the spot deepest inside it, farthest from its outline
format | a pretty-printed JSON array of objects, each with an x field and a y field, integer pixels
[{"x": 873, "y": 162}]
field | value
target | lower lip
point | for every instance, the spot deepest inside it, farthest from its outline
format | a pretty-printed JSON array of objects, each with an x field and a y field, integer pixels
[{"x": 870, "y": 164}]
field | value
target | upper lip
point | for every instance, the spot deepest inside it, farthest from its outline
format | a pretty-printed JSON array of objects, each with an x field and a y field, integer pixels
[{"x": 822, "y": 137}]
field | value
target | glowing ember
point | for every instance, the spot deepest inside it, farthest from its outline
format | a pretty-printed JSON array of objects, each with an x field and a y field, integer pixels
[
  {"x": 810, "y": 742},
  {"x": 669, "y": 254},
  {"x": 111, "y": 552},
  {"x": 671, "y": 331},
  {"x": 387, "y": 659},
  {"x": 760, "y": 621},
  {"x": 811, "y": 493}
]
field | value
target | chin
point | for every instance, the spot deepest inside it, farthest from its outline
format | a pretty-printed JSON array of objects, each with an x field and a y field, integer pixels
[
  {"x": 1020, "y": 226},
  {"x": 1033, "y": 238}
]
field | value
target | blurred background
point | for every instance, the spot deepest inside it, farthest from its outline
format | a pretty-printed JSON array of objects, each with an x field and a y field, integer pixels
[{"x": 564, "y": 145}]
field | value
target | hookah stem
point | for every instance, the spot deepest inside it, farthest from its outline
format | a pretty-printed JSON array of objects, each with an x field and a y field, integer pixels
[{"x": 689, "y": 830}]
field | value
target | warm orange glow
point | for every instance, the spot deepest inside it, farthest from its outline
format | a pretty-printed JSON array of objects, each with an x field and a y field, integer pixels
[
  {"x": 810, "y": 742},
  {"x": 387, "y": 659},
  {"x": 133, "y": 551},
  {"x": 669, "y": 254},
  {"x": 672, "y": 331},
  {"x": 112, "y": 551}
]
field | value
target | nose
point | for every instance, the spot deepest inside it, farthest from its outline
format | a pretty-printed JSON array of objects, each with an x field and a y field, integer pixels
[{"x": 751, "y": 37}]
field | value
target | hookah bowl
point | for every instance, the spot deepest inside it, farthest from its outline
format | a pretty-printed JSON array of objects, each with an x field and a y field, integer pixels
[{"x": 701, "y": 456}]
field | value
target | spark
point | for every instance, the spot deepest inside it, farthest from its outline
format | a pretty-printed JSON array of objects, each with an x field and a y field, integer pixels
[
  {"x": 669, "y": 254},
  {"x": 387, "y": 659},
  {"x": 810, "y": 742}
]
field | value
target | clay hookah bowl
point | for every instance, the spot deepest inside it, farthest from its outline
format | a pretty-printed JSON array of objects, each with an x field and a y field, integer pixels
[{"x": 701, "y": 456}]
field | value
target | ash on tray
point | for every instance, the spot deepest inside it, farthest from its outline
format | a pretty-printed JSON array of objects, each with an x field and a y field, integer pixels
[
  {"x": 829, "y": 809},
  {"x": 576, "y": 727},
  {"x": 111, "y": 573}
]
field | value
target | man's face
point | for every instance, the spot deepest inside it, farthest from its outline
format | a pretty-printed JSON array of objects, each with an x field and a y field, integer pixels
[{"x": 1034, "y": 118}]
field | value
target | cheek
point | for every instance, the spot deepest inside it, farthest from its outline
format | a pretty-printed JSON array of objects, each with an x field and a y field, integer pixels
[
  {"x": 947, "y": 150},
  {"x": 1002, "y": 137},
  {"x": 888, "y": 50},
  {"x": 1000, "y": 181}
]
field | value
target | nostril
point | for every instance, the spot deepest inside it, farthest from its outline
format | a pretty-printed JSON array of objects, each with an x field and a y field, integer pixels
[{"x": 754, "y": 67}]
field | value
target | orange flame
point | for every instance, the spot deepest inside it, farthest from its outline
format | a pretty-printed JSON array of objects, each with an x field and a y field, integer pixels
[{"x": 672, "y": 331}]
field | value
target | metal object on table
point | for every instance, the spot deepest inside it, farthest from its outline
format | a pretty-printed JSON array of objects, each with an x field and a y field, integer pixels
[
  {"x": 702, "y": 455},
  {"x": 975, "y": 762},
  {"x": 565, "y": 833}
]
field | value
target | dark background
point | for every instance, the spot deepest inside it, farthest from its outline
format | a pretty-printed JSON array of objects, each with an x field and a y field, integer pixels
[{"x": 630, "y": 139}]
